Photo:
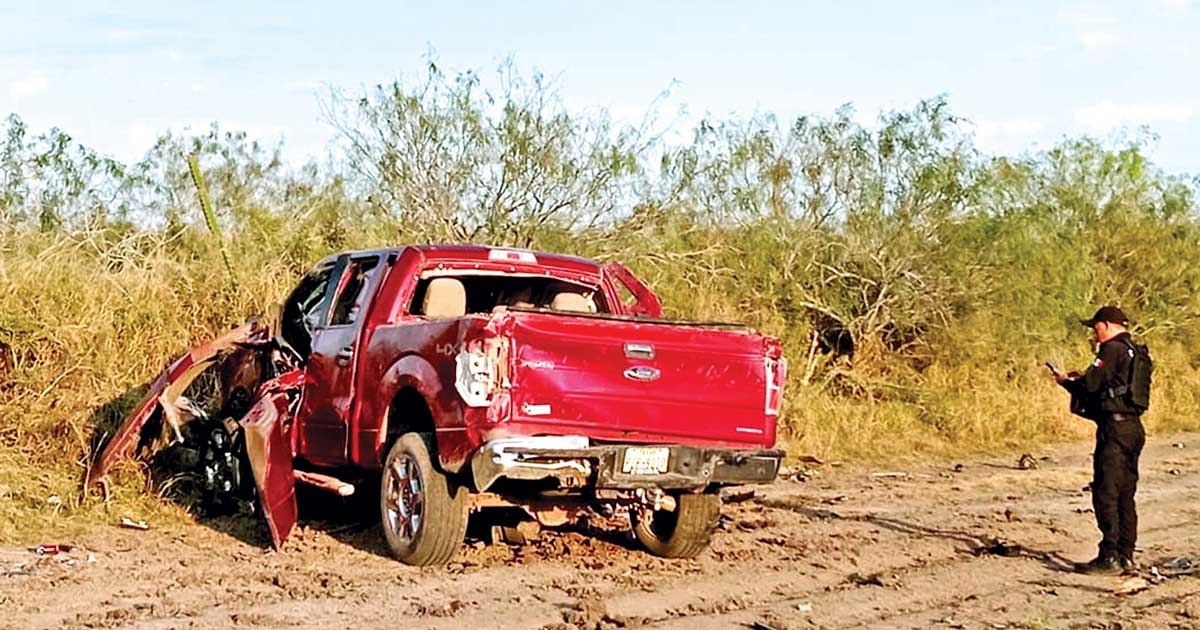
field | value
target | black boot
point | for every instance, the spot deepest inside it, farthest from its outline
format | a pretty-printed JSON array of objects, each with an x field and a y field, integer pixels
[
  {"x": 1127, "y": 563},
  {"x": 1103, "y": 564}
]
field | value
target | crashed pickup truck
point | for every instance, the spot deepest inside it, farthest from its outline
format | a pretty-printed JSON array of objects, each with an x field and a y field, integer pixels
[{"x": 460, "y": 378}]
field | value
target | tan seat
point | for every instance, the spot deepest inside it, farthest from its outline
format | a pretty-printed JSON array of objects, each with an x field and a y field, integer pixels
[
  {"x": 445, "y": 297},
  {"x": 571, "y": 301}
]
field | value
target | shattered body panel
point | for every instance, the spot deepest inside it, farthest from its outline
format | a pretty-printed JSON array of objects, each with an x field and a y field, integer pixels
[
  {"x": 163, "y": 397},
  {"x": 267, "y": 427}
]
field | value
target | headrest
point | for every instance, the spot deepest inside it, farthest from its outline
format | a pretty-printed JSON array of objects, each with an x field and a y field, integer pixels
[
  {"x": 571, "y": 301},
  {"x": 445, "y": 297}
]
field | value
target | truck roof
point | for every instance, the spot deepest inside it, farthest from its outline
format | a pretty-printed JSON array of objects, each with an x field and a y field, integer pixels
[{"x": 494, "y": 255}]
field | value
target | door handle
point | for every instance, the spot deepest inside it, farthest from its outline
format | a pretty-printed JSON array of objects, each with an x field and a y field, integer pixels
[{"x": 345, "y": 354}]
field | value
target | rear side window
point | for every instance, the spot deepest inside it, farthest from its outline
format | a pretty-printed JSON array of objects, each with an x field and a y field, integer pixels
[
  {"x": 484, "y": 293},
  {"x": 348, "y": 302}
]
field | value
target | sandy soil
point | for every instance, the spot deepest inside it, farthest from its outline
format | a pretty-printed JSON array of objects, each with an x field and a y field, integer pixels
[{"x": 976, "y": 544}]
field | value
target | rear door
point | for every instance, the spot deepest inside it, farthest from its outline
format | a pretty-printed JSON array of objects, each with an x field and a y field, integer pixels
[
  {"x": 628, "y": 294},
  {"x": 329, "y": 383}
]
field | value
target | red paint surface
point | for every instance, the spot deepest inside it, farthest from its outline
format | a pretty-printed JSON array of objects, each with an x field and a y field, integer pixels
[
  {"x": 711, "y": 385},
  {"x": 267, "y": 425}
]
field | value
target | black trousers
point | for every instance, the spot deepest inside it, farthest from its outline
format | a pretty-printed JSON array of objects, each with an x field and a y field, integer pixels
[{"x": 1118, "y": 445}]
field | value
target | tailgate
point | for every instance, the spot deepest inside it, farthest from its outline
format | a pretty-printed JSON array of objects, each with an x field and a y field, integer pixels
[{"x": 645, "y": 382}]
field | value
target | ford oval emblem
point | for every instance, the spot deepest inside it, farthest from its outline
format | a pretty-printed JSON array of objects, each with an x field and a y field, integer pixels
[{"x": 642, "y": 373}]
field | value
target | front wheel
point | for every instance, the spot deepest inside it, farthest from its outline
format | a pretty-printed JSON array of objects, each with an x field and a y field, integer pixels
[
  {"x": 683, "y": 533},
  {"x": 424, "y": 512}
]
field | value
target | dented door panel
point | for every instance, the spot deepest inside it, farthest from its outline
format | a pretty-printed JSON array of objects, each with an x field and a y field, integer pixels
[{"x": 268, "y": 447}]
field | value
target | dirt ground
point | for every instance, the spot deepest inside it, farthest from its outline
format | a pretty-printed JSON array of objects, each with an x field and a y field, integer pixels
[{"x": 974, "y": 544}]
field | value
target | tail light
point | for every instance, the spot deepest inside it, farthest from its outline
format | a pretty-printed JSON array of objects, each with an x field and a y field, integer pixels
[
  {"x": 776, "y": 375},
  {"x": 481, "y": 370}
]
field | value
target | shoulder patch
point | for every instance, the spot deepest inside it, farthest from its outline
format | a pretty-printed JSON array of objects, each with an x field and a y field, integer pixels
[{"x": 1098, "y": 363}]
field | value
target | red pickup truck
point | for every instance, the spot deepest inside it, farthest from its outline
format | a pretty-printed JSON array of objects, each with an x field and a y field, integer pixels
[{"x": 463, "y": 377}]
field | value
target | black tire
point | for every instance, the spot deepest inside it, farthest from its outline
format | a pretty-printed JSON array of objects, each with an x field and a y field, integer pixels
[
  {"x": 424, "y": 512},
  {"x": 684, "y": 533}
]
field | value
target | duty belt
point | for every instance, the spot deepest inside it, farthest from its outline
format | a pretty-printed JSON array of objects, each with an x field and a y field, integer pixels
[{"x": 1121, "y": 417}]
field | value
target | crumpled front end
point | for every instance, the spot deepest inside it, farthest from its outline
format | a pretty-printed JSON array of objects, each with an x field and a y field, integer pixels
[
  {"x": 158, "y": 418},
  {"x": 260, "y": 393}
]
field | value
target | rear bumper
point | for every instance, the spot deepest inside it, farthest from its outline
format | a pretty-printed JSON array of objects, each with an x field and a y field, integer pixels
[{"x": 605, "y": 466}]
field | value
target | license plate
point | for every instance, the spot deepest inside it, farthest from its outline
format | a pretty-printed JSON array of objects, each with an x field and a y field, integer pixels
[{"x": 645, "y": 460}]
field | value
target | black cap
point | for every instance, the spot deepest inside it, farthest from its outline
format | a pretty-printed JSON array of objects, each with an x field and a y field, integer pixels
[{"x": 1111, "y": 314}]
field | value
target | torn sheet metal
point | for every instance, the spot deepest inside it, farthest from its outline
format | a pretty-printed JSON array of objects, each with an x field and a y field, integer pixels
[
  {"x": 267, "y": 429},
  {"x": 165, "y": 397}
]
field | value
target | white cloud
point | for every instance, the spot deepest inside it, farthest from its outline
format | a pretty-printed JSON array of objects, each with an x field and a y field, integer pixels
[
  {"x": 1009, "y": 135},
  {"x": 1095, "y": 30},
  {"x": 136, "y": 141},
  {"x": 29, "y": 86},
  {"x": 999, "y": 128},
  {"x": 1177, "y": 6},
  {"x": 1107, "y": 116}
]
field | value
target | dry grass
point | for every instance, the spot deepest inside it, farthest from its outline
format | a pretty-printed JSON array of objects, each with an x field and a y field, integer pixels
[{"x": 86, "y": 322}]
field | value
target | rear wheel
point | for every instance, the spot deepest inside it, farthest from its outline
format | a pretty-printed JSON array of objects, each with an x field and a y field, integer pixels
[
  {"x": 682, "y": 533},
  {"x": 424, "y": 512}
]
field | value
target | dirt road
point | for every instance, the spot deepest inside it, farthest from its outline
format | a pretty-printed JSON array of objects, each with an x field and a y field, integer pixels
[{"x": 844, "y": 548}]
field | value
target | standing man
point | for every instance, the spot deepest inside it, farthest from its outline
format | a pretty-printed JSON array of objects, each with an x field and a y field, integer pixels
[{"x": 1116, "y": 397}]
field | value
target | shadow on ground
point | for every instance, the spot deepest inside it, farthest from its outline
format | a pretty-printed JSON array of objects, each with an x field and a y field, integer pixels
[
  {"x": 353, "y": 520},
  {"x": 967, "y": 541}
]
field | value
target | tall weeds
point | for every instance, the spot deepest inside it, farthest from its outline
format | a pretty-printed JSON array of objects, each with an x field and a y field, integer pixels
[{"x": 917, "y": 284}]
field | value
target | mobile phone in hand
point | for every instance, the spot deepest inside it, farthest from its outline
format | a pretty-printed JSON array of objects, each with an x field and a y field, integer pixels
[{"x": 1053, "y": 369}]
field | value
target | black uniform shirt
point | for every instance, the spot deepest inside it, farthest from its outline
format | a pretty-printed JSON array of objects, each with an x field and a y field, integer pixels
[{"x": 1110, "y": 370}]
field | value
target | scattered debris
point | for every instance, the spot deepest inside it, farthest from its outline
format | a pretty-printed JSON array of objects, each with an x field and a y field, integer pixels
[
  {"x": 45, "y": 557},
  {"x": 1180, "y": 566},
  {"x": 1009, "y": 515},
  {"x": 1178, "y": 445},
  {"x": 959, "y": 468},
  {"x": 129, "y": 523},
  {"x": 889, "y": 475},
  {"x": 1175, "y": 471},
  {"x": 999, "y": 547},
  {"x": 1156, "y": 577},
  {"x": 1027, "y": 462},
  {"x": 858, "y": 579},
  {"x": 797, "y": 473},
  {"x": 52, "y": 549},
  {"x": 804, "y": 607}
]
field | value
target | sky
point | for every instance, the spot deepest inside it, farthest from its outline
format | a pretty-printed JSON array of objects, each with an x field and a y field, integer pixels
[{"x": 1025, "y": 73}]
